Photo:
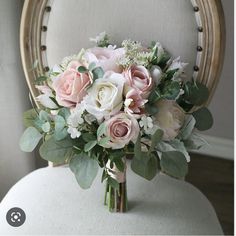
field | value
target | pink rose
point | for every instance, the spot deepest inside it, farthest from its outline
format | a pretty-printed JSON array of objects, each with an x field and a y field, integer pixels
[
  {"x": 139, "y": 78},
  {"x": 121, "y": 129},
  {"x": 107, "y": 58},
  {"x": 134, "y": 103},
  {"x": 70, "y": 86}
]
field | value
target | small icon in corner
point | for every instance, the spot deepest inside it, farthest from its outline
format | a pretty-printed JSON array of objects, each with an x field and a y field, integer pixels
[{"x": 15, "y": 217}]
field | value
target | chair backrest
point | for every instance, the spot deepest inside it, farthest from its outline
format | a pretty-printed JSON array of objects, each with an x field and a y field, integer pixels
[{"x": 192, "y": 29}]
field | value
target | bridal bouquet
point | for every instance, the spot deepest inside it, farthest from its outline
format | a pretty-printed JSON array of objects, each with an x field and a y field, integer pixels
[{"x": 108, "y": 103}]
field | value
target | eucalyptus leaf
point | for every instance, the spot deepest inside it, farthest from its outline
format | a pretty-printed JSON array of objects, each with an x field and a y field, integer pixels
[
  {"x": 30, "y": 139},
  {"x": 92, "y": 65},
  {"x": 155, "y": 95},
  {"x": 174, "y": 145},
  {"x": 195, "y": 93},
  {"x": 64, "y": 112},
  {"x": 195, "y": 142},
  {"x": 84, "y": 168},
  {"x": 90, "y": 145},
  {"x": 60, "y": 130},
  {"x": 146, "y": 166},
  {"x": 137, "y": 148},
  {"x": 174, "y": 164},
  {"x": 187, "y": 127},
  {"x": 151, "y": 109},
  {"x": 155, "y": 139},
  {"x": 44, "y": 116},
  {"x": 29, "y": 117},
  {"x": 56, "y": 151},
  {"x": 97, "y": 73},
  {"x": 171, "y": 90},
  {"x": 102, "y": 142},
  {"x": 88, "y": 137},
  {"x": 101, "y": 129},
  {"x": 204, "y": 119},
  {"x": 82, "y": 69},
  {"x": 46, "y": 127}
]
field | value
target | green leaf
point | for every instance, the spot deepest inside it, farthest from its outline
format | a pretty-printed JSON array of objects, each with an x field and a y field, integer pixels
[
  {"x": 101, "y": 129},
  {"x": 104, "y": 175},
  {"x": 88, "y": 137},
  {"x": 155, "y": 139},
  {"x": 102, "y": 142},
  {"x": 84, "y": 168},
  {"x": 195, "y": 93},
  {"x": 97, "y": 73},
  {"x": 170, "y": 74},
  {"x": 155, "y": 95},
  {"x": 113, "y": 183},
  {"x": 204, "y": 119},
  {"x": 195, "y": 142},
  {"x": 82, "y": 69},
  {"x": 29, "y": 117},
  {"x": 46, "y": 127},
  {"x": 44, "y": 116},
  {"x": 171, "y": 90},
  {"x": 60, "y": 130},
  {"x": 174, "y": 164},
  {"x": 118, "y": 153},
  {"x": 64, "y": 112},
  {"x": 151, "y": 109},
  {"x": 56, "y": 151},
  {"x": 90, "y": 145},
  {"x": 41, "y": 79},
  {"x": 146, "y": 166},
  {"x": 92, "y": 65},
  {"x": 173, "y": 145},
  {"x": 137, "y": 148},
  {"x": 119, "y": 164},
  {"x": 30, "y": 139},
  {"x": 187, "y": 128}
]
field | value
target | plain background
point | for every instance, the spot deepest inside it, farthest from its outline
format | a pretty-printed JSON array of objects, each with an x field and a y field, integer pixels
[{"x": 14, "y": 164}]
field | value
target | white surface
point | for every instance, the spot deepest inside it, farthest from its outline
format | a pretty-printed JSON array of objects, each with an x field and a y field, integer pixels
[
  {"x": 170, "y": 22},
  {"x": 14, "y": 100},
  {"x": 54, "y": 204}
]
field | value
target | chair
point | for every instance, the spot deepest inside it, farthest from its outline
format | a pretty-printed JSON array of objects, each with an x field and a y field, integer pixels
[{"x": 50, "y": 30}]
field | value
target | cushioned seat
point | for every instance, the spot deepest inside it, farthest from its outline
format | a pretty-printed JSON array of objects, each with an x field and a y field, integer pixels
[{"x": 55, "y": 204}]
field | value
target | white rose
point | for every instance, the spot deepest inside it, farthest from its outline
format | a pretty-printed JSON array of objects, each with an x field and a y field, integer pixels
[
  {"x": 177, "y": 65},
  {"x": 105, "y": 97},
  {"x": 170, "y": 118}
]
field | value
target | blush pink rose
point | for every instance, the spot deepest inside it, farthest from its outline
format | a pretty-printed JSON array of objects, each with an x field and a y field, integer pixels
[
  {"x": 107, "y": 58},
  {"x": 71, "y": 85},
  {"x": 134, "y": 103},
  {"x": 138, "y": 77},
  {"x": 121, "y": 129}
]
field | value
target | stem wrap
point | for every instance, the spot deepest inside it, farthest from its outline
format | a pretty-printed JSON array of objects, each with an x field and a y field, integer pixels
[{"x": 115, "y": 173}]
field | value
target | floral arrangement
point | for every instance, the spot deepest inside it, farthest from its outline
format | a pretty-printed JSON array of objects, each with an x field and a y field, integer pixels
[{"x": 108, "y": 103}]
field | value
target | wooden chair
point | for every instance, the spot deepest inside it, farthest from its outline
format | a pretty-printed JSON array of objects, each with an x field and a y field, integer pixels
[{"x": 50, "y": 30}]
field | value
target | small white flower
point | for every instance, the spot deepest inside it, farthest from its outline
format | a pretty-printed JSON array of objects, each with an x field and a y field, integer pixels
[
  {"x": 75, "y": 119},
  {"x": 74, "y": 133},
  {"x": 99, "y": 37},
  {"x": 146, "y": 123},
  {"x": 156, "y": 74},
  {"x": 177, "y": 64}
]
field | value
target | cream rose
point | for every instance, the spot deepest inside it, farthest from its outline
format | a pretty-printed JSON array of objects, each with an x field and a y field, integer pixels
[
  {"x": 105, "y": 97},
  {"x": 121, "y": 129},
  {"x": 70, "y": 86},
  {"x": 139, "y": 78},
  {"x": 170, "y": 118},
  {"x": 107, "y": 58}
]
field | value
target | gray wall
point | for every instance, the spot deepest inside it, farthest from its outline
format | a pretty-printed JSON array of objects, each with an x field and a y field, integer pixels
[
  {"x": 222, "y": 104},
  {"x": 13, "y": 98}
]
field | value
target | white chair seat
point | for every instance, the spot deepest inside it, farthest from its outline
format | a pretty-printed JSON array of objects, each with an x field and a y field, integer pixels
[{"x": 55, "y": 204}]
